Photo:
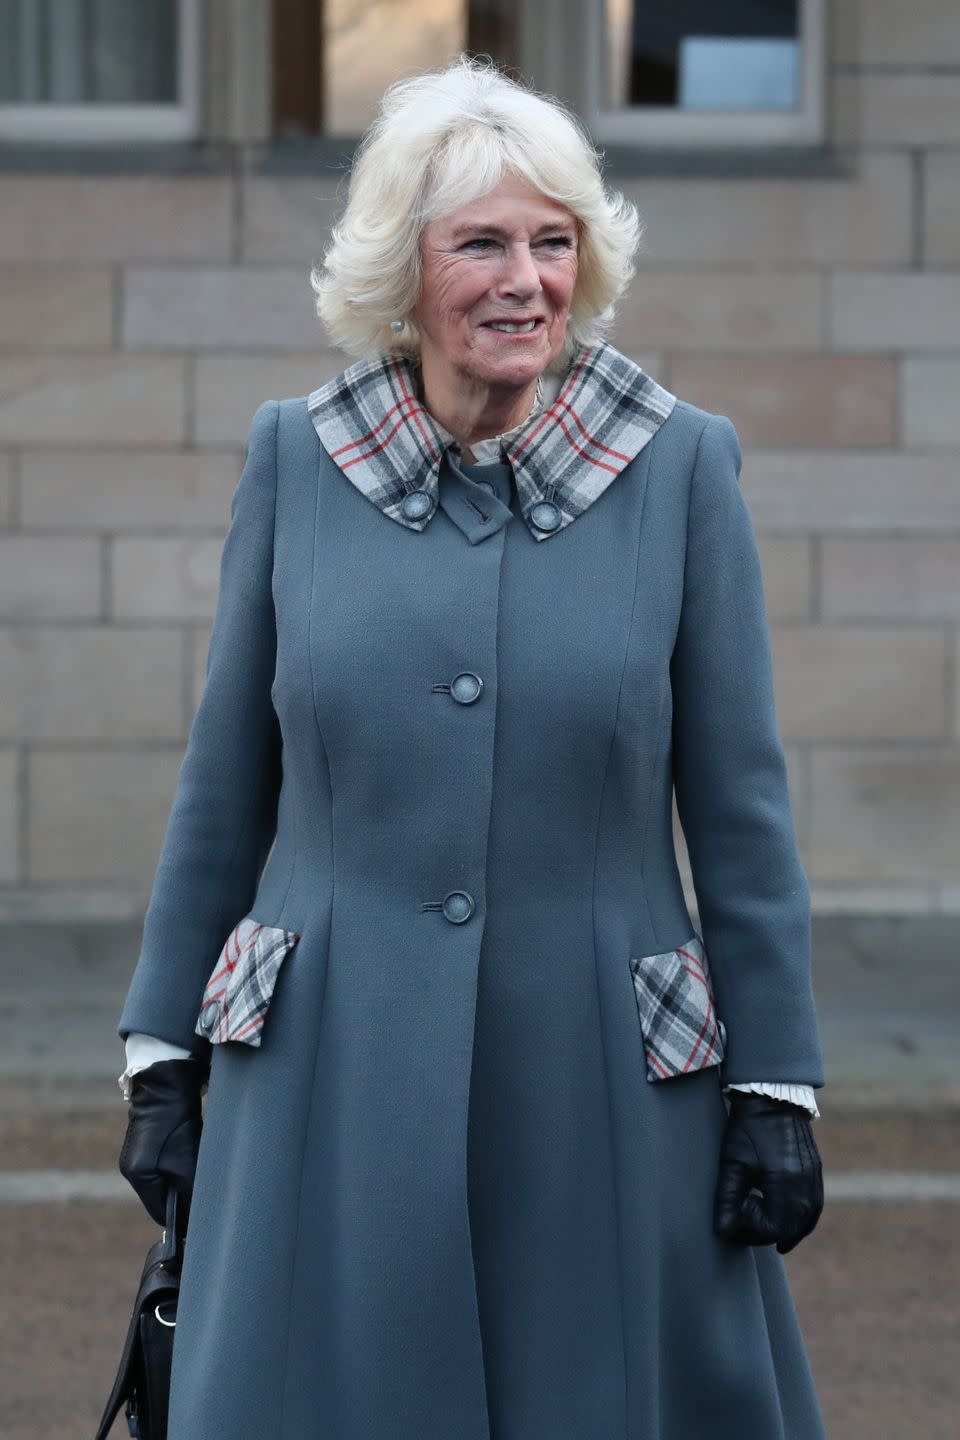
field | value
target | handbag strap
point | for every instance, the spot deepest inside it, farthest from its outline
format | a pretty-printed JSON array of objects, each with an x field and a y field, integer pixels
[{"x": 169, "y": 1252}]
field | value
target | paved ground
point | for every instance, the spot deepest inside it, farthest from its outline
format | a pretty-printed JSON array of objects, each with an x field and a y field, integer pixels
[{"x": 876, "y": 1285}]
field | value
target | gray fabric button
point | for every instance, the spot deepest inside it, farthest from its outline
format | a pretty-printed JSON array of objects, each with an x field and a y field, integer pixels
[
  {"x": 546, "y": 516},
  {"x": 466, "y": 687},
  {"x": 458, "y": 906},
  {"x": 415, "y": 504}
]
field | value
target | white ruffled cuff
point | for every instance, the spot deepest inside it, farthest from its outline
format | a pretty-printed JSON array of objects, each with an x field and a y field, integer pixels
[
  {"x": 781, "y": 1090},
  {"x": 143, "y": 1050}
]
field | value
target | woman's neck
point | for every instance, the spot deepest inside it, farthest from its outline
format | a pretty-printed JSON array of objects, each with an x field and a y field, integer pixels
[{"x": 474, "y": 412}]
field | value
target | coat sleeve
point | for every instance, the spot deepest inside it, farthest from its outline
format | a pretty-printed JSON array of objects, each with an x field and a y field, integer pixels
[
  {"x": 224, "y": 813},
  {"x": 730, "y": 782}
]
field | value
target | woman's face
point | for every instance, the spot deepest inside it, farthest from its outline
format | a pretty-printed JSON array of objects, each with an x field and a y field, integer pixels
[{"x": 509, "y": 258}]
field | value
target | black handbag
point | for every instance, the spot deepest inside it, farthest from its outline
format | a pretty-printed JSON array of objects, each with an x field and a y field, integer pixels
[{"x": 143, "y": 1378}]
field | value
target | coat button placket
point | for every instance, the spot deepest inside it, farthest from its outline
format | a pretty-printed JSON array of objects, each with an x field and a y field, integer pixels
[{"x": 464, "y": 556}]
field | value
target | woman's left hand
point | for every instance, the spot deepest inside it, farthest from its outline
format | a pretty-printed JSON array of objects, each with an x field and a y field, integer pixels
[{"x": 767, "y": 1145}]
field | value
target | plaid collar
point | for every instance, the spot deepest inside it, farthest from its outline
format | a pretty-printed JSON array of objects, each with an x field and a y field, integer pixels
[{"x": 376, "y": 431}]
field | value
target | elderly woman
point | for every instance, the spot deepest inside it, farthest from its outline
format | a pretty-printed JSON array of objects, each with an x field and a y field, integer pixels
[{"x": 497, "y": 1144}]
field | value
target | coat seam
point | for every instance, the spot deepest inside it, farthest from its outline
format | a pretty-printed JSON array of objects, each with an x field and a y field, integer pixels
[
  {"x": 248, "y": 811},
  {"x": 596, "y": 975},
  {"x": 686, "y": 535},
  {"x": 668, "y": 690},
  {"x": 275, "y": 723},
  {"x": 659, "y": 732},
  {"x": 296, "y": 847},
  {"x": 285, "y": 1380}
]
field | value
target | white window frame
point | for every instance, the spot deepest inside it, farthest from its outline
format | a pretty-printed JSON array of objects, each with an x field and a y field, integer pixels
[
  {"x": 659, "y": 126},
  {"x": 99, "y": 123}
]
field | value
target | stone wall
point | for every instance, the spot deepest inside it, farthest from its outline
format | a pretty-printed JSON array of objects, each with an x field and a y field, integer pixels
[{"x": 144, "y": 316}]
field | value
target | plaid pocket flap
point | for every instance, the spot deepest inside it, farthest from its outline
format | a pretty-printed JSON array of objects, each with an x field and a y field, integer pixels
[
  {"x": 237, "y": 995},
  {"x": 681, "y": 1031}
]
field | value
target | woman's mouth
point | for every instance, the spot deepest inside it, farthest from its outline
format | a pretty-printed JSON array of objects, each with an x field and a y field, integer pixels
[{"x": 514, "y": 327}]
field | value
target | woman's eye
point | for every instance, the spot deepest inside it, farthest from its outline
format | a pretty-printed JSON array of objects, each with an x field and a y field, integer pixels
[
  {"x": 480, "y": 242},
  {"x": 558, "y": 242}
]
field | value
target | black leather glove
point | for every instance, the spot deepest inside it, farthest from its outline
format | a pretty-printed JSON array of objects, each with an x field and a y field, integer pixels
[
  {"x": 767, "y": 1144},
  {"x": 163, "y": 1134}
]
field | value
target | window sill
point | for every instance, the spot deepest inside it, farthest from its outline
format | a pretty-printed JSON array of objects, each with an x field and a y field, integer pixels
[
  {"x": 743, "y": 162},
  {"x": 311, "y": 155},
  {"x": 314, "y": 155},
  {"x": 177, "y": 157}
]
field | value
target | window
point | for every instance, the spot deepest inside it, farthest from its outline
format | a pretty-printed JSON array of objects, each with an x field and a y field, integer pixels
[
  {"x": 699, "y": 72},
  {"x": 333, "y": 60},
  {"x": 94, "y": 70}
]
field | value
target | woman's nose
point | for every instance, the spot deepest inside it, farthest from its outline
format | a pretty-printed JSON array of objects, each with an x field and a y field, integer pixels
[{"x": 521, "y": 276}]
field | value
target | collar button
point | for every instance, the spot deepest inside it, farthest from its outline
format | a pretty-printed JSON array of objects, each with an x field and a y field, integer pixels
[
  {"x": 415, "y": 504},
  {"x": 546, "y": 516}
]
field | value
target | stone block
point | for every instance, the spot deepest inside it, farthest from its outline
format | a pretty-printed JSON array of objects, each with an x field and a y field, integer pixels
[
  {"x": 861, "y": 492},
  {"x": 90, "y": 683},
  {"x": 899, "y": 577},
  {"x": 231, "y": 387},
  {"x": 78, "y": 219},
  {"x": 111, "y": 491},
  {"x": 99, "y": 816},
  {"x": 885, "y": 812},
  {"x": 860, "y": 682},
  {"x": 786, "y": 576},
  {"x": 930, "y": 413},
  {"x": 885, "y": 32},
  {"x": 55, "y": 307},
  {"x": 287, "y": 219},
  {"x": 91, "y": 399},
  {"x": 890, "y": 108},
  {"x": 220, "y": 308},
  {"x": 714, "y": 309},
  {"x": 863, "y": 217},
  {"x": 165, "y": 579},
  {"x": 941, "y": 207},
  {"x": 9, "y": 815},
  {"x": 784, "y": 399},
  {"x": 6, "y": 488},
  {"x": 45, "y": 577},
  {"x": 891, "y": 310}
]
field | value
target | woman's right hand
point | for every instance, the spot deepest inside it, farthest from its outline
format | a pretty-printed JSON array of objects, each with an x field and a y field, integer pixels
[{"x": 163, "y": 1134}]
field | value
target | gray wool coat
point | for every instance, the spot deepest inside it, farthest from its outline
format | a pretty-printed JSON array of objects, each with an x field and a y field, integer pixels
[{"x": 419, "y": 897}]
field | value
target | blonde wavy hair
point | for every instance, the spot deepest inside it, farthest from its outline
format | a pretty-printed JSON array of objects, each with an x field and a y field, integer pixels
[{"x": 439, "y": 141}]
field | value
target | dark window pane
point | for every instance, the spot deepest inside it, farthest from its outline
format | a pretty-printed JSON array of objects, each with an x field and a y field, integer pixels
[{"x": 695, "y": 55}]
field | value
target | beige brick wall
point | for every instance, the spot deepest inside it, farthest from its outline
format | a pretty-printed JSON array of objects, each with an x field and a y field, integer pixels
[{"x": 144, "y": 317}]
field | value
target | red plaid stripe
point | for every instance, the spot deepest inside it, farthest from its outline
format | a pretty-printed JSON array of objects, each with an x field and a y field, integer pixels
[
  {"x": 238, "y": 993},
  {"x": 678, "y": 1018},
  {"x": 375, "y": 429}
]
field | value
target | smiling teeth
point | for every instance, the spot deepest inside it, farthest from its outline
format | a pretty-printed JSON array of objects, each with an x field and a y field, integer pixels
[{"x": 512, "y": 329}]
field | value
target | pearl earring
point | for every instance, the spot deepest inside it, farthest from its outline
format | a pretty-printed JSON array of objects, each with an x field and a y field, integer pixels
[{"x": 396, "y": 326}]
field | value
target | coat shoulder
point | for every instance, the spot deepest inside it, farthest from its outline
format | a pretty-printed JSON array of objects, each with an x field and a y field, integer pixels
[
  {"x": 689, "y": 421},
  {"x": 685, "y": 433},
  {"x": 295, "y": 422}
]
